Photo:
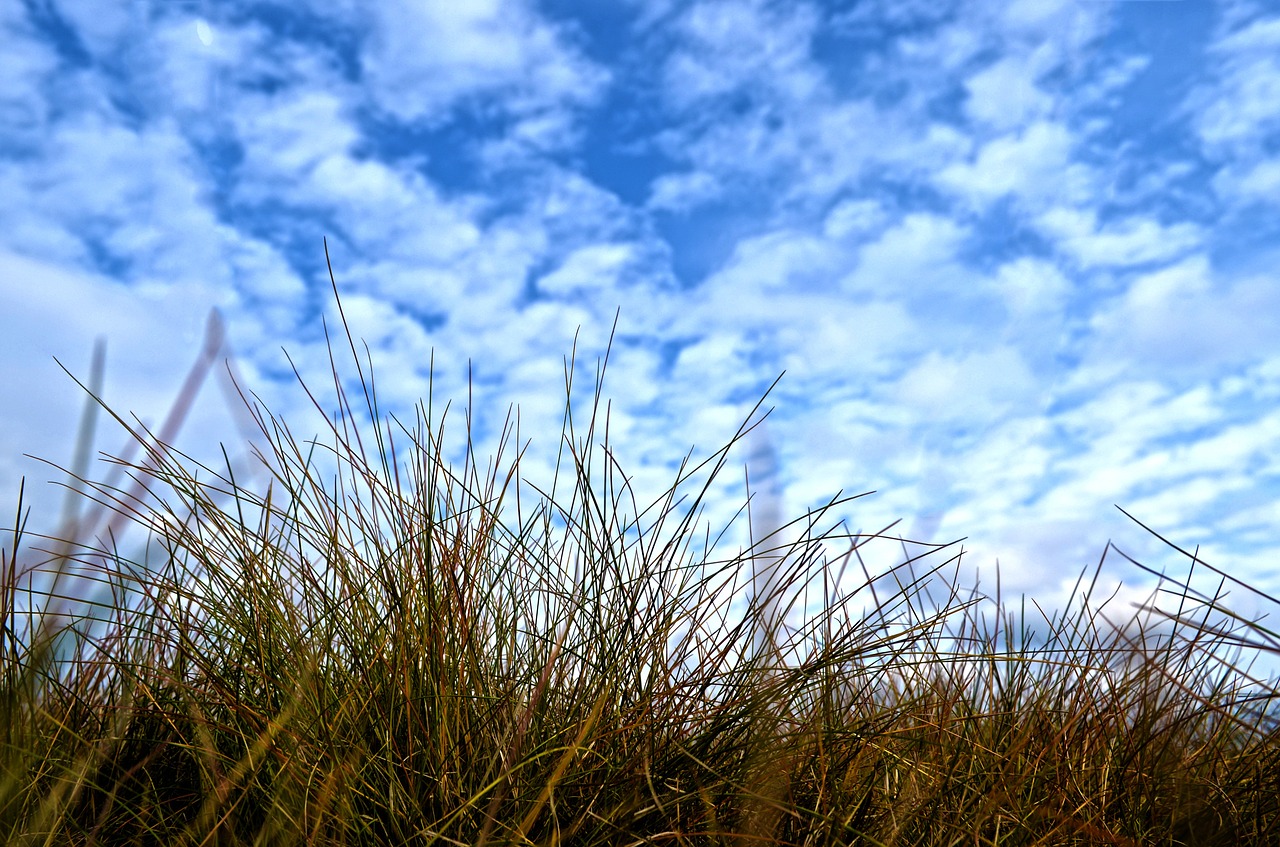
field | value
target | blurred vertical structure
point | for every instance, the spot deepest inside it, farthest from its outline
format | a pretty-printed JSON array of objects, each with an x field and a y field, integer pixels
[
  {"x": 81, "y": 575},
  {"x": 764, "y": 489},
  {"x": 83, "y": 450}
]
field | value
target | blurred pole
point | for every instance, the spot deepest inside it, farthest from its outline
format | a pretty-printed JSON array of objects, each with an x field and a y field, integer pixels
[
  {"x": 84, "y": 443},
  {"x": 765, "y": 518}
]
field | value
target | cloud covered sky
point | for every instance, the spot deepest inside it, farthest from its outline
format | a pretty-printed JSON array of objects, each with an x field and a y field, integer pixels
[{"x": 1017, "y": 259}]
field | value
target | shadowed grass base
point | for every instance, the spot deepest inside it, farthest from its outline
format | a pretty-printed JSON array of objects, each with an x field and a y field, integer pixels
[{"x": 376, "y": 650}]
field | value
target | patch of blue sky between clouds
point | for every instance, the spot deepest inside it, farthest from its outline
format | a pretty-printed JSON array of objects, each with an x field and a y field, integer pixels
[{"x": 1017, "y": 259}]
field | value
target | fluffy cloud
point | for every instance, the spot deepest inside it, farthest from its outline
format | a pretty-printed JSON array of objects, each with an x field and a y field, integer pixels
[
  {"x": 424, "y": 59},
  {"x": 998, "y": 298},
  {"x": 1185, "y": 320}
]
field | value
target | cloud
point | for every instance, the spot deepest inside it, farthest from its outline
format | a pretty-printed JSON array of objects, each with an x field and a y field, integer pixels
[
  {"x": 992, "y": 303},
  {"x": 1033, "y": 165},
  {"x": 682, "y": 191},
  {"x": 1004, "y": 95},
  {"x": 753, "y": 111},
  {"x": 25, "y": 64},
  {"x": 1240, "y": 108},
  {"x": 1186, "y": 321},
  {"x": 976, "y": 388},
  {"x": 1251, "y": 182},
  {"x": 423, "y": 60},
  {"x": 853, "y": 218},
  {"x": 595, "y": 267},
  {"x": 783, "y": 262},
  {"x": 913, "y": 252},
  {"x": 1032, "y": 289},
  {"x": 1131, "y": 241},
  {"x": 100, "y": 30},
  {"x": 286, "y": 136},
  {"x": 105, "y": 195},
  {"x": 729, "y": 47}
]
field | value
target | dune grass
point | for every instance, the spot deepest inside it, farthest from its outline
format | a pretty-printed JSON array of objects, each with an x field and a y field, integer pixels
[{"x": 378, "y": 647}]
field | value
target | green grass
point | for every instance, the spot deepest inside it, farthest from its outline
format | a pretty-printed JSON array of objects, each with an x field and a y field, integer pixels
[{"x": 381, "y": 648}]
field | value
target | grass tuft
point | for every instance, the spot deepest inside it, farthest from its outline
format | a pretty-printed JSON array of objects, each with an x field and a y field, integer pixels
[{"x": 371, "y": 649}]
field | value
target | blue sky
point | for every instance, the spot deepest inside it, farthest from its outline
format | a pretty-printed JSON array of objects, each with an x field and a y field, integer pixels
[{"x": 1017, "y": 259}]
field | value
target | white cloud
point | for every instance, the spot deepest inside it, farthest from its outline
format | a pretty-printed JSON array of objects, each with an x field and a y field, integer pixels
[
  {"x": 752, "y": 108},
  {"x": 1038, "y": 492},
  {"x": 391, "y": 211},
  {"x": 104, "y": 192},
  {"x": 1184, "y": 320},
  {"x": 1132, "y": 241},
  {"x": 976, "y": 388},
  {"x": 1032, "y": 288},
  {"x": 1232, "y": 447},
  {"x": 1033, "y": 16},
  {"x": 1145, "y": 447},
  {"x": 853, "y": 217},
  {"x": 1054, "y": 35},
  {"x": 1241, "y": 107},
  {"x": 780, "y": 261},
  {"x": 948, "y": 47},
  {"x": 24, "y": 65},
  {"x": 1004, "y": 95},
  {"x": 1061, "y": 31},
  {"x": 720, "y": 362},
  {"x": 681, "y": 191},
  {"x": 275, "y": 297},
  {"x": 824, "y": 341},
  {"x": 286, "y": 136},
  {"x": 732, "y": 46},
  {"x": 101, "y": 28},
  {"x": 595, "y": 267},
  {"x": 804, "y": 153},
  {"x": 1252, "y": 182},
  {"x": 423, "y": 59},
  {"x": 909, "y": 254},
  {"x": 299, "y": 147},
  {"x": 1033, "y": 164},
  {"x": 927, "y": 354},
  {"x": 198, "y": 82}
]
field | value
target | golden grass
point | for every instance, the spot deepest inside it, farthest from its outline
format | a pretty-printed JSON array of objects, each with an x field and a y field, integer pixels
[{"x": 373, "y": 651}]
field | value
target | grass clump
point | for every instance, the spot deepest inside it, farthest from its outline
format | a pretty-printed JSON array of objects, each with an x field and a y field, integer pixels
[{"x": 375, "y": 650}]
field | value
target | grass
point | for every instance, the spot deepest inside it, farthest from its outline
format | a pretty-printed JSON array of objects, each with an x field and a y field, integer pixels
[{"x": 381, "y": 648}]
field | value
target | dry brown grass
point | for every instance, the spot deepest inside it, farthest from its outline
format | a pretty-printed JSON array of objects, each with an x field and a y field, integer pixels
[{"x": 369, "y": 650}]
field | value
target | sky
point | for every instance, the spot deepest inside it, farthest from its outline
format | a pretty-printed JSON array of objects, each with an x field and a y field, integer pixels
[{"x": 1017, "y": 260}]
